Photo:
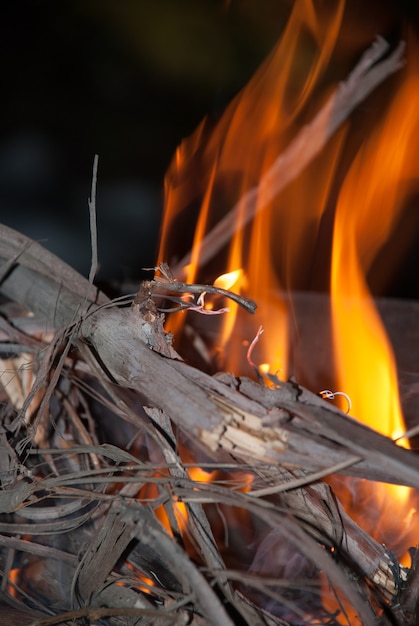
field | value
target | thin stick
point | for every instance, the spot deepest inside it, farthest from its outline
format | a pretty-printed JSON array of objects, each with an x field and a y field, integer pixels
[
  {"x": 365, "y": 77},
  {"x": 93, "y": 223},
  {"x": 306, "y": 480},
  {"x": 177, "y": 287}
]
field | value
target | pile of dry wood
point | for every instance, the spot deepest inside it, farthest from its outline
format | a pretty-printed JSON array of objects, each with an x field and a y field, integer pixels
[
  {"x": 101, "y": 427},
  {"x": 104, "y": 518}
]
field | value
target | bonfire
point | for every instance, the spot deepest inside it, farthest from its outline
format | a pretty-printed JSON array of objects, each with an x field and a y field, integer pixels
[{"x": 166, "y": 457}]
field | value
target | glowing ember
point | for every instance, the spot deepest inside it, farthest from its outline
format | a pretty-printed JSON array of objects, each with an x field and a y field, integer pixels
[{"x": 13, "y": 580}]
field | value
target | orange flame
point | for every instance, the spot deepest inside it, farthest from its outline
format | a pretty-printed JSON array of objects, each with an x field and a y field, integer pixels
[
  {"x": 370, "y": 203},
  {"x": 319, "y": 231},
  {"x": 222, "y": 167},
  {"x": 13, "y": 580}
]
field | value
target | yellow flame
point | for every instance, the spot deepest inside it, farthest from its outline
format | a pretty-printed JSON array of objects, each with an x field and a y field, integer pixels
[
  {"x": 229, "y": 280},
  {"x": 370, "y": 204}
]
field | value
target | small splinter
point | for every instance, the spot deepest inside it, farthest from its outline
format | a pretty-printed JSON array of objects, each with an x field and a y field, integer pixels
[
  {"x": 252, "y": 345},
  {"x": 326, "y": 394}
]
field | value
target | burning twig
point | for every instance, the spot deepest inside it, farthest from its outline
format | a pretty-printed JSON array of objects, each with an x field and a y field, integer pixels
[
  {"x": 168, "y": 283},
  {"x": 373, "y": 68},
  {"x": 185, "y": 303},
  {"x": 407, "y": 609}
]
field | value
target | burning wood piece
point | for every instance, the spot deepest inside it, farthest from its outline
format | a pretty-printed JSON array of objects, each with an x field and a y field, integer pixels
[
  {"x": 169, "y": 283},
  {"x": 407, "y": 609},
  {"x": 317, "y": 507}
]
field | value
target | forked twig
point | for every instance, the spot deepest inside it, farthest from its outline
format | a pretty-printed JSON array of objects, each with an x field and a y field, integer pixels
[
  {"x": 168, "y": 283},
  {"x": 179, "y": 287}
]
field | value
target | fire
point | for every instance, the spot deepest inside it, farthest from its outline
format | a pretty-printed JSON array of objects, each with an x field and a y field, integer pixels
[
  {"x": 150, "y": 492},
  {"x": 220, "y": 168},
  {"x": 330, "y": 228},
  {"x": 370, "y": 203},
  {"x": 372, "y": 197},
  {"x": 13, "y": 580},
  {"x": 229, "y": 280}
]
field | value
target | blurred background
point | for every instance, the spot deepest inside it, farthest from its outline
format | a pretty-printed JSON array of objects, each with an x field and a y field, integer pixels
[{"x": 128, "y": 79}]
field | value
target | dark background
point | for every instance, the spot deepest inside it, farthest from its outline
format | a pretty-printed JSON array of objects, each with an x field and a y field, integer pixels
[{"x": 127, "y": 79}]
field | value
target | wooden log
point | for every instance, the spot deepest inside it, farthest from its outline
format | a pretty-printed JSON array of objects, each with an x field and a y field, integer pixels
[
  {"x": 128, "y": 346},
  {"x": 287, "y": 425}
]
